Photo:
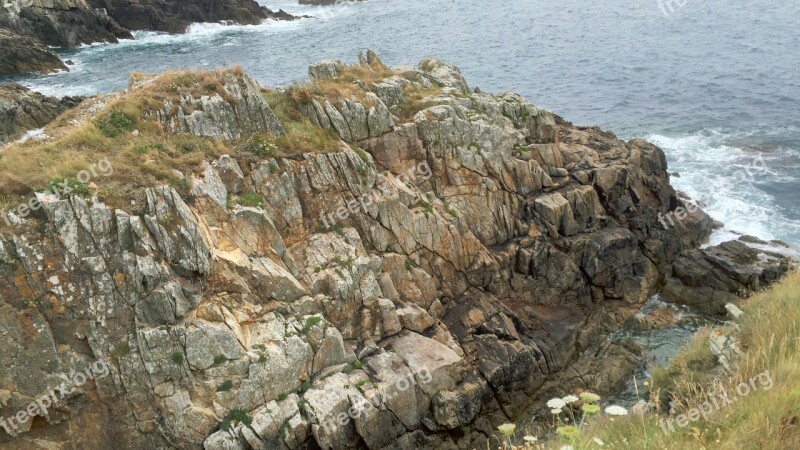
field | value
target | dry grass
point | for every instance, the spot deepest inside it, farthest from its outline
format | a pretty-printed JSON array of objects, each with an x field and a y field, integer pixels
[{"x": 765, "y": 418}]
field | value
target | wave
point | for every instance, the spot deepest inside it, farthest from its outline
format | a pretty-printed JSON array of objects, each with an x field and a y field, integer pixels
[{"x": 745, "y": 179}]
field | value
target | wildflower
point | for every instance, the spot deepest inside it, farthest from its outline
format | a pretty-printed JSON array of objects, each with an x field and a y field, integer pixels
[
  {"x": 598, "y": 441},
  {"x": 647, "y": 383},
  {"x": 568, "y": 432},
  {"x": 556, "y": 403},
  {"x": 570, "y": 399},
  {"x": 530, "y": 438},
  {"x": 589, "y": 397},
  {"x": 507, "y": 429},
  {"x": 615, "y": 410},
  {"x": 555, "y": 411},
  {"x": 590, "y": 409}
]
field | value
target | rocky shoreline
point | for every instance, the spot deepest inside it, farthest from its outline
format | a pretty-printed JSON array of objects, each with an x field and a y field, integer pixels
[
  {"x": 451, "y": 303},
  {"x": 29, "y": 27}
]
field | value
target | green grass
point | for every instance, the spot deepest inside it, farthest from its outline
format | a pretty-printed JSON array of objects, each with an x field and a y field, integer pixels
[
  {"x": 234, "y": 416},
  {"x": 766, "y": 418},
  {"x": 251, "y": 199},
  {"x": 226, "y": 386},
  {"x": 310, "y": 323},
  {"x": 116, "y": 123}
]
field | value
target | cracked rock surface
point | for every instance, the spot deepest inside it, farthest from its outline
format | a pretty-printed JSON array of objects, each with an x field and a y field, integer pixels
[{"x": 450, "y": 303}]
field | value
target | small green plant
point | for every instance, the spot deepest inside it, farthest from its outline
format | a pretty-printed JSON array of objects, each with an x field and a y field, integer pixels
[
  {"x": 311, "y": 322},
  {"x": 427, "y": 208},
  {"x": 301, "y": 404},
  {"x": 283, "y": 397},
  {"x": 225, "y": 386},
  {"x": 363, "y": 155},
  {"x": 450, "y": 209},
  {"x": 219, "y": 359},
  {"x": 273, "y": 167},
  {"x": 305, "y": 386},
  {"x": 251, "y": 199},
  {"x": 357, "y": 364},
  {"x": 177, "y": 357},
  {"x": 260, "y": 146},
  {"x": 410, "y": 264},
  {"x": 67, "y": 185},
  {"x": 262, "y": 358},
  {"x": 183, "y": 79},
  {"x": 115, "y": 124},
  {"x": 347, "y": 369},
  {"x": 235, "y": 415}
]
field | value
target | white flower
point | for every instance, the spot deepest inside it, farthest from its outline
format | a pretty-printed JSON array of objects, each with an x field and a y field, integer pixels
[
  {"x": 615, "y": 410},
  {"x": 555, "y": 411},
  {"x": 570, "y": 399},
  {"x": 556, "y": 403},
  {"x": 598, "y": 441},
  {"x": 530, "y": 438}
]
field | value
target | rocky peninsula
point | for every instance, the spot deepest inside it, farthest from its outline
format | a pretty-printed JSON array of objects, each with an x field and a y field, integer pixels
[{"x": 379, "y": 258}]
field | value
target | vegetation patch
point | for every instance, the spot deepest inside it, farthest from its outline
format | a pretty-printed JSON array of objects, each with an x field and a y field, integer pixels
[{"x": 234, "y": 416}]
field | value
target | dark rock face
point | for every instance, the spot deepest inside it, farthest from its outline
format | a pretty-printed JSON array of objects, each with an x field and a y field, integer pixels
[
  {"x": 22, "y": 54},
  {"x": 176, "y": 16},
  {"x": 710, "y": 278},
  {"x": 63, "y": 23},
  {"x": 22, "y": 110}
]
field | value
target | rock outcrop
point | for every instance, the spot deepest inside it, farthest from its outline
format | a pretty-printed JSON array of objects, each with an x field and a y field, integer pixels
[
  {"x": 22, "y": 110},
  {"x": 23, "y": 54},
  {"x": 62, "y": 23},
  {"x": 457, "y": 257},
  {"x": 175, "y": 16}
]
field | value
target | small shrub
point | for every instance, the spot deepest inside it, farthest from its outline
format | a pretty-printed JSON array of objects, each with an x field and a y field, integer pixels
[
  {"x": 177, "y": 357},
  {"x": 357, "y": 364},
  {"x": 305, "y": 386},
  {"x": 115, "y": 124},
  {"x": 182, "y": 80},
  {"x": 251, "y": 199},
  {"x": 260, "y": 146},
  {"x": 235, "y": 415},
  {"x": 225, "y": 386},
  {"x": 311, "y": 322},
  {"x": 67, "y": 185},
  {"x": 282, "y": 397}
]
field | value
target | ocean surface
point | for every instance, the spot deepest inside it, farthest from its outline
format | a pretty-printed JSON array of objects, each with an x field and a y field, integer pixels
[{"x": 715, "y": 83}]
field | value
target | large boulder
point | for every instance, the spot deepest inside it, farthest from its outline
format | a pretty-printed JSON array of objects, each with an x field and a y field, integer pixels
[{"x": 23, "y": 54}]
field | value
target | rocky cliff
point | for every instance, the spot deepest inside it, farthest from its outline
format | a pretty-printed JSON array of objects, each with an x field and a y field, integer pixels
[
  {"x": 22, "y": 110},
  {"x": 384, "y": 259},
  {"x": 22, "y": 54},
  {"x": 27, "y": 27}
]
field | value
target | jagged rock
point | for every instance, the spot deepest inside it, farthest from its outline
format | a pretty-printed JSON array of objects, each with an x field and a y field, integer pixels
[
  {"x": 516, "y": 242},
  {"x": 63, "y": 23},
  {"x": 23, "y": 110},
  {"x": 710, "y": 278},
  {"x": 23, "y": 54}
]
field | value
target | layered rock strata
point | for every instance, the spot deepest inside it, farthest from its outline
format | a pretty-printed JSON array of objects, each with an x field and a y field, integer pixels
[{"x": 481, "y": 252}]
